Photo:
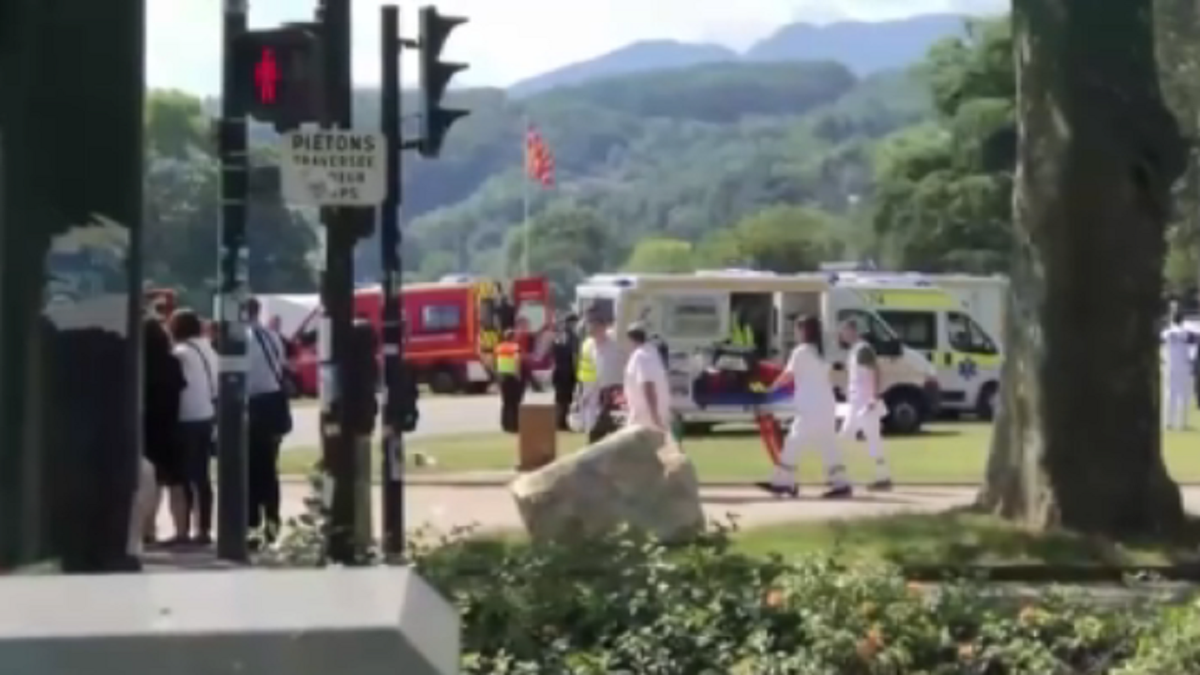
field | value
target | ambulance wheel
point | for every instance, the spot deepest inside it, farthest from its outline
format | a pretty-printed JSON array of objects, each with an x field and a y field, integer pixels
[
  {"x": 905, "y": 412},
  {"x": 478, "y": 387},
  {"x": 985, "y": 407},
  {"x": 443, "y": 381}
]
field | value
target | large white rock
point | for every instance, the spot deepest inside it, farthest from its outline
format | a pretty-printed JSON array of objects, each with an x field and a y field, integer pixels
[{"x": 632, "y": 477}]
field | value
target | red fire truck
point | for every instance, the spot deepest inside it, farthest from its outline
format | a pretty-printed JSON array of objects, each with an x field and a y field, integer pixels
[
  {"x": 451, "y": 326},
  {"x": 161, "y": 301}
]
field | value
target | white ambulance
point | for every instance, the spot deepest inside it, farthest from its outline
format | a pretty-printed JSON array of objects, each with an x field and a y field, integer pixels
[
  {"x": 939, "y": 323},
  {"x": 692, "y": 315}
]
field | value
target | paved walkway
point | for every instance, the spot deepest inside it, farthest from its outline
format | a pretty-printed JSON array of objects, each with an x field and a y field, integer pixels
[{"x": 491, "y": 507}]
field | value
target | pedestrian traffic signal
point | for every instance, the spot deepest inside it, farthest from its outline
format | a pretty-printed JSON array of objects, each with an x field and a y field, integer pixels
[
  {"x": 435, "y": 77},
  {"x": 278, "y": 75}
]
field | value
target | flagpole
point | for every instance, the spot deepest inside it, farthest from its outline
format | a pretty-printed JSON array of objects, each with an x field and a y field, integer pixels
[{"x": 525, "y": 198}]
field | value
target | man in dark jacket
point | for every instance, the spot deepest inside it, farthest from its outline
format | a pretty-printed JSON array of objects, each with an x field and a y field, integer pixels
[{"x": 566, "y": 355}]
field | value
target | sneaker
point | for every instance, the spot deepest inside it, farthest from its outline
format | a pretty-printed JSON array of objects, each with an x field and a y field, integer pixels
[
  {"x": 839, "y": 492},
  {"x": 203, "y": 539},
  {"x": 778, "y": 490},
  {"x": 881, "y": 486},
  {"x": 177, "y": 541}
]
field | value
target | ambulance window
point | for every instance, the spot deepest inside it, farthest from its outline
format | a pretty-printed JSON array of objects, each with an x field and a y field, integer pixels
[
  {"x": 440, "y": 318},
  {"x": 693, "y": 317},
  {"x": 869, "y": 327},
  {"x": 604, "y": 308},
  {"x": 966, "y": 336},
  {"x": 918, "y": 330}
]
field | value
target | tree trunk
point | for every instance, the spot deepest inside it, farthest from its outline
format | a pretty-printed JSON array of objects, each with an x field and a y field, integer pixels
[{"x": 1078, "y": 441}]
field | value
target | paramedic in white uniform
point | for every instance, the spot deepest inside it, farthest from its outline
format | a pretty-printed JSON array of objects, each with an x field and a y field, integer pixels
[
  {"x": 814, "y": 423},
  {"x": 865, "y": 410},
  {"x": 1177, "y": 372}
]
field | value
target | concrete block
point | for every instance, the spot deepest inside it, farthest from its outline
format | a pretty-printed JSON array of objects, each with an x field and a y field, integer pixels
[{"x": 255, "y": 622}]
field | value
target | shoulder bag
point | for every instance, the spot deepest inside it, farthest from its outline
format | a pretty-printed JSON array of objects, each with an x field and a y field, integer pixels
[{"x": 272, "y": 410}]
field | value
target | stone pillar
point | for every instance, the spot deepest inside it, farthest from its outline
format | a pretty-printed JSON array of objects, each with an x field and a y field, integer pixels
[{"x": 71, "y": 73}]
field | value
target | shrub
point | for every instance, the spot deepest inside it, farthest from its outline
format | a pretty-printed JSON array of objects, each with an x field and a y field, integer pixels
[
  {"x": 1172, "y": 649},
  {"x": 624, "y": 603}
]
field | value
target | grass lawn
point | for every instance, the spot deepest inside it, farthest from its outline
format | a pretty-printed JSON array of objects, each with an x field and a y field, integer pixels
[
  {"x": 953, "y": 452},
  {"x": 956, "y": 538},
  {"x": 952, "y": 538}
]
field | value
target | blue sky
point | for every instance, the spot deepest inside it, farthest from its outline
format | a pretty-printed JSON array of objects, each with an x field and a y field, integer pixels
[{"x": 507, "y": 40}]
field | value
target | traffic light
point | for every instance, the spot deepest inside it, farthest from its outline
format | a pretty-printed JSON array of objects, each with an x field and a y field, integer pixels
[
  {"x": 435, "y": 76},
  {"x": 279, "y": 75}
]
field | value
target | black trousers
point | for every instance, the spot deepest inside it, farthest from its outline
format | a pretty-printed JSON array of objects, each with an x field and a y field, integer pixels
[
  {"x": 263, "y": 483},
  {"x": 564, "y": 395},
  {"x": 196, "y": 442},
  {"x": 512, "y": 392}
]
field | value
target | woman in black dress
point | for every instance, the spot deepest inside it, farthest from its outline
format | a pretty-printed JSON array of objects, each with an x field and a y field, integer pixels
[{"x": 163, "y": 380}]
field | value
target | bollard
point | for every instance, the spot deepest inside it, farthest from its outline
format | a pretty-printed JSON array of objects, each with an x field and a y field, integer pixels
[
  {"x": 537, "y": 436},
  {"x": 363, "y": 379}
]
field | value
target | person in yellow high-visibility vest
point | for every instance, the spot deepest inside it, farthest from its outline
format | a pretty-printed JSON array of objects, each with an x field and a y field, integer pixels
[
  {"x": 600, "y": 374},
  {"x": 509, "y": 372},
  {"x": 740, "y": 333}
]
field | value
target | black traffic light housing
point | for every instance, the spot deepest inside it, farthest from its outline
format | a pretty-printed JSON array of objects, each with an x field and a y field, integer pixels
[
  {"x": 280, "y": 75},
  {"x": 435, "y": 77}
]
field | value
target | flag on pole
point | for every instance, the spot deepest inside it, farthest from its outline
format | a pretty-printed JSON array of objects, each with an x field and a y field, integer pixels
[{"x": 539, "y": 161}]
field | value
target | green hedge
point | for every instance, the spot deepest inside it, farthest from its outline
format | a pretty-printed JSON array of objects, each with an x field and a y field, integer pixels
[{"x": 627, "y": 604}]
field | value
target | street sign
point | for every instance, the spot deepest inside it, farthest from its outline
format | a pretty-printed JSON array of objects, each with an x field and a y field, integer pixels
[{"x": 326, "y": 167}]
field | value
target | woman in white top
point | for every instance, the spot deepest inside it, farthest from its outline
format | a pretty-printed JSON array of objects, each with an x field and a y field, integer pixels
[
  {"x": 647, "y": 388},
  {"x": 196, "y": 415},
  {"x": 815, "y": 422}
]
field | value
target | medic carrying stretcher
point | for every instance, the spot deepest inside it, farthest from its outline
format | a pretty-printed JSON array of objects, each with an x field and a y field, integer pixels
[{"x": 695, "y": 315}]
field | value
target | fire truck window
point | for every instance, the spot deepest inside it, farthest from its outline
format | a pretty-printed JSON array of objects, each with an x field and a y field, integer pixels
[
  {"x": 440, "y": 318},
  {"x": 533, "y": 313},
  {"x": 487, "y": 314}
]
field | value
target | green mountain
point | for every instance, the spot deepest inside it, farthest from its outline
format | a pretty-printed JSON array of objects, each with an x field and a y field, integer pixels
[
  {"x": 679, "y": 153},
  {"x": 894, "y": 45}
]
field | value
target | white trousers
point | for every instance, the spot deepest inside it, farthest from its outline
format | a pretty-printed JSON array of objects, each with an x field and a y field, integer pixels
[
  {"x": 1176, "y": 398},
  {"x": 144, "y": 501},
  {"x": 808, "y": 431},
  {"x": 862, "y": 417}
]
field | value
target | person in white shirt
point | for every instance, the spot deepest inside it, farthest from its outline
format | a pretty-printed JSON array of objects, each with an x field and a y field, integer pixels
[
  {"x": 865, "y": 409},
  {"x": 1177, "y": 372},
  {"x": 196, "y": 416},
  {"x": 647, "y": 388},
  {"x": 815, "y": 420},
  {"x": 269, "y": 419}
]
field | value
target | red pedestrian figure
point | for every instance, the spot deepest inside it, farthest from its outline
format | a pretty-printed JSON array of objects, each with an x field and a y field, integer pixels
[{"x": 266, "y": 76}]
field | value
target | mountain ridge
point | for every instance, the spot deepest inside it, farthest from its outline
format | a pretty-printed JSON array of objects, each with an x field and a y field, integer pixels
[{"x": 895, "y": 44}]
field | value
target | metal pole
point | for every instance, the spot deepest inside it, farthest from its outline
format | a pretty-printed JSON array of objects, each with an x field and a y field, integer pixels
[
  {"x": 231, "y": 417},
  {"x": 525, "y": 199},
  {"x": 337, "y": 297},
  {"x": 389, "y": 238}
]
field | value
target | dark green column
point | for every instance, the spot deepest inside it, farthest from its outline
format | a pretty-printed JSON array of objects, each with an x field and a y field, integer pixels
[{"x": 71, "y": 95}]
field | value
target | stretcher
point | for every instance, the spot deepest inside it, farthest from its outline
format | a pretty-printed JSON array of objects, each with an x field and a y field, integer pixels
[{"x": 771, "y": 433}]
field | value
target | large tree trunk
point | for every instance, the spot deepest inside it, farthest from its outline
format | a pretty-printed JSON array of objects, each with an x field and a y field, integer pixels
[{"x": 1078, "y": 442}]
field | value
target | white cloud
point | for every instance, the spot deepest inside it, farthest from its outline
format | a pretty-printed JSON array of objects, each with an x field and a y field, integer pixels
[{"x": 509, "y": 40}]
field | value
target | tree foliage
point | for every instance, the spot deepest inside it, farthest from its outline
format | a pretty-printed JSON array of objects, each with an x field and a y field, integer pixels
[
  {"x": 943, "y": 199},
  {"x": 182, "y": 187}
]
